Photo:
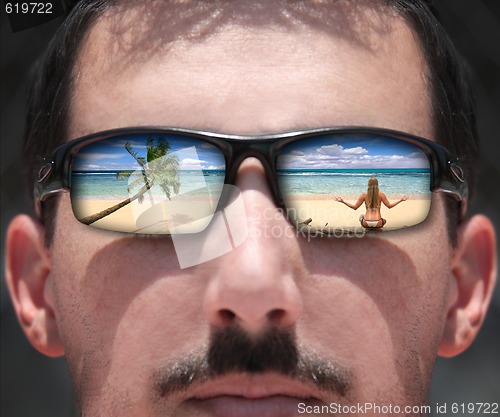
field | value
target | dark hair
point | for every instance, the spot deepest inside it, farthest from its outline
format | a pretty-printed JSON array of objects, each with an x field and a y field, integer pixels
[
  {"x": 50, "y": 96},
  {"x": 452, "y": 101}
]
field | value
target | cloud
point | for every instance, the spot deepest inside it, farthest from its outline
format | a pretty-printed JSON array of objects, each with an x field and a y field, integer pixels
[
  {"x": 417, "y": 154},
  {"x": 192, "y": 161},
  {"x": 193, "y": 164},
  {"x": 93, "y": 166},
  {"x": 339, "y": 150},
  {"x": 337, "y": 157},
  {"x": 107, "y": 166}
]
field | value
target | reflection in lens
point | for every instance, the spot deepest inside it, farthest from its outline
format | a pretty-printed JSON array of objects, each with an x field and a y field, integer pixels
[
  {"x": 324, "y": 182},
  {"x": 156, "y": 184}
]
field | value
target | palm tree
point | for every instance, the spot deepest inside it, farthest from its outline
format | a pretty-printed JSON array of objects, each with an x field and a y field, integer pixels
[{"x": 159, "y": 167}]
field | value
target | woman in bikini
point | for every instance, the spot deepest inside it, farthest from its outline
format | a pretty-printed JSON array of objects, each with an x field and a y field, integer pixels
[{"x": 373, "y": 199}]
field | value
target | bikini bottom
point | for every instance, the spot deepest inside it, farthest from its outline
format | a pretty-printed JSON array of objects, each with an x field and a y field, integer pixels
[{"x": 371, "y": 223}]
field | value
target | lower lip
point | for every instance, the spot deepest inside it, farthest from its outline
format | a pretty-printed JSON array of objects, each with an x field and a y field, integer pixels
[{"x": 231, "y": 406}]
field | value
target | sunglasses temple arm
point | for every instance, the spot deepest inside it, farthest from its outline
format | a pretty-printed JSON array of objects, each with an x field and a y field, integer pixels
[
  {"x": 47, "y": 183},
  {"x": 454, "y": 184}
]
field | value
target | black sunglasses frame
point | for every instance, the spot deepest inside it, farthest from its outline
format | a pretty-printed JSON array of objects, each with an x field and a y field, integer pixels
[{"x": 447, "y": 176}]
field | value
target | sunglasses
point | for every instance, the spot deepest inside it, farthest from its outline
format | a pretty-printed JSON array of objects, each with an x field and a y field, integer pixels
[{"x": 170, "y": 181}]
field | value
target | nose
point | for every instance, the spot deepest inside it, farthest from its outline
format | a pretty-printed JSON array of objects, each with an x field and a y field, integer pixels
[{"x": 257, "y": 284}]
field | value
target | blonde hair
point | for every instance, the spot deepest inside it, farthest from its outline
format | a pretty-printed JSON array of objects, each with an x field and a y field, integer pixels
[{"x": 372, "y": 199}]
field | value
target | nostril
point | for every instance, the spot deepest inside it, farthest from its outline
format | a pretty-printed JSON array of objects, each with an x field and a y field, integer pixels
[
  {"x": 276, "y": 316},
  {"x": 226, "y": 316}
]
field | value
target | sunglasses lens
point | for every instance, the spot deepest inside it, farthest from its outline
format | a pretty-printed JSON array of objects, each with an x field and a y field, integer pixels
[
  {"x": 147, "y": 183},
  {"x": 369, "y": 173}
]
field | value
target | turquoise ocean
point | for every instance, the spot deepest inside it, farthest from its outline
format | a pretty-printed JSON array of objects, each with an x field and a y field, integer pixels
[
  {"x": 353, "y": 182},
  {"x": 341, "y": 182}
]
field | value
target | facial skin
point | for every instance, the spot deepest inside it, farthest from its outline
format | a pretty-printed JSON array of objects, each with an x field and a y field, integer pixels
[{"x": 376, "y": 310}]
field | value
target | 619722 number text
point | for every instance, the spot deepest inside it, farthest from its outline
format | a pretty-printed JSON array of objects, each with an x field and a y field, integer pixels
[
  {"x": 28, "y": 8},
  {"x": 474, "y": 408}
]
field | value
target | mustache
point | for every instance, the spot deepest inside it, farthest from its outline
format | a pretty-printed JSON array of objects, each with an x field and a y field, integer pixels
[{"x": 233, "y": 350}]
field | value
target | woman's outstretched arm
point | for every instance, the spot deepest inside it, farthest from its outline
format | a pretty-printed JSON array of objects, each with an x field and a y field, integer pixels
[
  {"x": 391, "y": 205},
  {"x": 354, "y": 206}
]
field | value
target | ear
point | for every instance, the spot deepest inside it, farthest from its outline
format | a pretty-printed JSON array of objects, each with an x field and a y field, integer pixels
[
  {"x": 474, "y": 269},
  {"x": 28, "y": 269}
]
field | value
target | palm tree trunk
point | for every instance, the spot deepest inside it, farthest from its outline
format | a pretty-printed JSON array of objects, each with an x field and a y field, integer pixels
[{"x": 106, "y": 212}]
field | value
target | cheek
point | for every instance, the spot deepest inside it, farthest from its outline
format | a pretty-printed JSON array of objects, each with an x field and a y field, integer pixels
[
  {"x": 113, "y": 293},
  {"x": 385, "y": 328},
  {"x": 379, "y": 304}
]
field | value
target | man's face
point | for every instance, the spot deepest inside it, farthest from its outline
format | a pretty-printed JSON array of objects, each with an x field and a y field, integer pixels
[{"x": 368, "y": 311}]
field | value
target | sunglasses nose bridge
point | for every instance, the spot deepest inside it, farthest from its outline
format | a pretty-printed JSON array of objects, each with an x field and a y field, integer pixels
[{"x": 262, "y": 152}]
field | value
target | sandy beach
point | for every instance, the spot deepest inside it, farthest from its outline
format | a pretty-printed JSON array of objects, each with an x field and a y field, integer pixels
[
  {"x": 191, "y": 214},
  {"x": 179, "y": 215},
  {"x": 329, "y": 215}
]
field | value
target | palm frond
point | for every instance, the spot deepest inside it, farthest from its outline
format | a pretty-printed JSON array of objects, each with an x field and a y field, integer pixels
[
  {"x": 158, "y": 150},
  {"x": 140, "y": 182},
  {"x": 140, "y": 160}
]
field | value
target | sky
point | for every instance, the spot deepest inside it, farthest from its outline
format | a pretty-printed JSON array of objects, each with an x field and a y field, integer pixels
[
  {"x": 110, "y": 154},
  {"x": 325, "y": 152},
  {"x": 352, "y": 153}
]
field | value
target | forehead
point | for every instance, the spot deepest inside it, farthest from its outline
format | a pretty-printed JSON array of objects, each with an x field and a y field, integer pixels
[{"x": 250, "y": 67}]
